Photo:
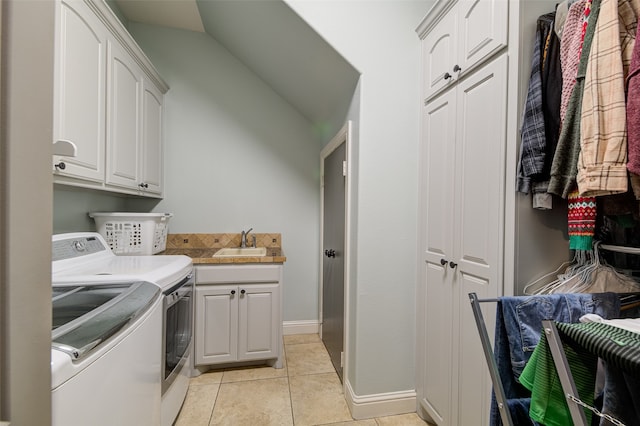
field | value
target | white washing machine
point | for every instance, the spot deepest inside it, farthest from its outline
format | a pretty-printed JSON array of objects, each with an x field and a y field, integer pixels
[{"x": 137, "y": 374}]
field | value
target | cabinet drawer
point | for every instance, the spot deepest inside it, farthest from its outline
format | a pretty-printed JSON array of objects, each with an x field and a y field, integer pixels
[{"x": 237, "y": 274}]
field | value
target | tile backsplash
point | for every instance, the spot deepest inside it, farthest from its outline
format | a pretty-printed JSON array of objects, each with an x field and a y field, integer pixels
[{"x": 197, "y": 241}]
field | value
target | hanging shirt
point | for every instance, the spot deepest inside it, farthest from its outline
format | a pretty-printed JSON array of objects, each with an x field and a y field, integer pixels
[
  {"x": 533, "y": 148},
  {"x": 565, "y": 161},
  {"x": 570, "y": 48},
  {"x": 633, "y": 118},
  {"x": 602, "y": 165}
]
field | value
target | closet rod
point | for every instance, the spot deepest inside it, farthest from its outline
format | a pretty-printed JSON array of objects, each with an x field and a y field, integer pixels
[{"x": 620, "y": 249}]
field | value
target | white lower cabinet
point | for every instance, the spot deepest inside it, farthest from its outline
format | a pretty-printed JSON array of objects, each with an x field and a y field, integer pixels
[{"x": 238, "y": 314}]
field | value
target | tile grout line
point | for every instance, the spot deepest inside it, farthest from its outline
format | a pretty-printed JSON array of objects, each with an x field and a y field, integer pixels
[
  {"x": 215, "y": 401},
  {"x": 284, "y": 349}
]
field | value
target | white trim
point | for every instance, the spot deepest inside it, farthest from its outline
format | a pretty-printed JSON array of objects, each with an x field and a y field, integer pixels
[
  {"x": 379, "y": 405},
  {"x": 120, "y": 33},
  {"x": 300, "y": 327},
  {"x": 433, "y": 16},
  {"x": 343, "y": 136}
]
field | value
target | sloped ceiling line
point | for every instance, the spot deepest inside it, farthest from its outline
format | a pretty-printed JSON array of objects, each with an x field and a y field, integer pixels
[{"x": 271, "y": 40}]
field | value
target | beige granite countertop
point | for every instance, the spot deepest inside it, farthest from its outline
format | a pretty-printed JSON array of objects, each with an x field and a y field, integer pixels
[{"x": 201, "y": 248}]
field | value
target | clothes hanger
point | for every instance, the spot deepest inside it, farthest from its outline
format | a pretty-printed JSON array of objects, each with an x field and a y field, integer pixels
[
  {"x": 599, "y": 277},
  {"x": 580, "y": 277},
  {"x": 528, "y": 288},
  {"x": 582, "y": 260}
]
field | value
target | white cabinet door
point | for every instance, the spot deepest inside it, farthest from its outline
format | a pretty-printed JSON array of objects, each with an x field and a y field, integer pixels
[
  {"x": 462, "y": 200},
  {"x": 437, "y": 174},
  {"x": 216, "y": 325},
  {"x": 258, "y": 321},
  {"x": 482, "y": 30},
  {"x": 79, "y": 115},
  {"x": 439, "y": 54},
  {"x": 478, "y": 224},
  {"x": 463, "y": 39},
  {"x": 124, "y": 106},
  {"x": 152, "y": 149}
]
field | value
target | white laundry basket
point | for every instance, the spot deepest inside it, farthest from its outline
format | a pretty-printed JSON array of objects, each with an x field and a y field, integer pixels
[{"x": 134, "y": 233}]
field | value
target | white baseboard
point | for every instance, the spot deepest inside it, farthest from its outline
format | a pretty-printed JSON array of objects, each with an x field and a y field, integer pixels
[
  {"x": 379, "y": 405},
  {"x": 300, "y": 327}
]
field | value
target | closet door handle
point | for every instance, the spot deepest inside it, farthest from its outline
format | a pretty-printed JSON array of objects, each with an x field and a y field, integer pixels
[
  {"x": 452, "y": 264},
  {"x": 443, "y": 262},
  {"x": 447, "y": 76}
]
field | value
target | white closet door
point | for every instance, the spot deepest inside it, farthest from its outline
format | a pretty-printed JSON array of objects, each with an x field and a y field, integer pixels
[
  {"x": 437, "y": 151},
  {"x": 481, "y": 141}
]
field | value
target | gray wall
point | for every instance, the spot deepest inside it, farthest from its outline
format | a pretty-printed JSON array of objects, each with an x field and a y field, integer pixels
[
  {"x": 378, "y": 38},
  {"x": 71, "y": 205},
  {"x": 26, "y": 138},
  {"x": 237, "y": 156}
]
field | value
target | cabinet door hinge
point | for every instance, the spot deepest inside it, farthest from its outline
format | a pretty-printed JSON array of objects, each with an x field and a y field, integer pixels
[{"x": 344, "y": 168}]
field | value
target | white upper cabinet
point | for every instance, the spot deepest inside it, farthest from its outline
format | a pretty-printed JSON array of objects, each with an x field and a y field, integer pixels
[
  {"x": 79, "y": 113},
  {"x": 439, "y": 51},
  {"x": 109, "y": 103},
  {"x": 482, "y": 30},
  {"x": 468, "y": 34}
]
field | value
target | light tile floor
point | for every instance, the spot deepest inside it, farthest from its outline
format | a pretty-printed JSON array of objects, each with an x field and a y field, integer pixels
[{"x": 306, "y": 392}]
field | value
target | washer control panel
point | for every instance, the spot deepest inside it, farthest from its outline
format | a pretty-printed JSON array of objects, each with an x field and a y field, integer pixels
[{"x": 75, "y": 247}]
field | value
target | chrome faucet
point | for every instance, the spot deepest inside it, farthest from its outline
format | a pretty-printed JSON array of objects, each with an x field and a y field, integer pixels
[{"x": 243, "y": 238}]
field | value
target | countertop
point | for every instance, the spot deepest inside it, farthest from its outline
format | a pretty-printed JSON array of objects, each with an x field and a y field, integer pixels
[
  {"x": 201, "y": 247},
  {"x": 204, "y": 256}
]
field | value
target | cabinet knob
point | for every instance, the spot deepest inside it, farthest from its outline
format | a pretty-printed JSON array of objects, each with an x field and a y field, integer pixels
[
  {"x": 443, "y": 262},
  {"x": 233, "y": 292},
  {"x": 456, "y": 68},
  {"x": 60, "y": 166},
  {"x": 447, "y": 76},
  {"x": 242, "y": 291},
  {"x": 143, "y": 185},
  {"x": 452, "y": 264}
]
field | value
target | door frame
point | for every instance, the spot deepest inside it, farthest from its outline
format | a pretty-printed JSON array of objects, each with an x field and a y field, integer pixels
[{"x": 343, "y": 136}]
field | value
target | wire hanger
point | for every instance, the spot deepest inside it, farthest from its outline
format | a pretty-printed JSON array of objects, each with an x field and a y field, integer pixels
[{"x": 528, "y": 288}]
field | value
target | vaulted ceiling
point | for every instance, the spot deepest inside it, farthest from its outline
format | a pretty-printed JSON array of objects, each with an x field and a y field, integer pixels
[{"x": 271, "y": 40}]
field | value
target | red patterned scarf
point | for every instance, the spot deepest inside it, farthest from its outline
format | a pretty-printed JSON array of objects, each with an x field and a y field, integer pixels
[{"x": 582, "y": 221}]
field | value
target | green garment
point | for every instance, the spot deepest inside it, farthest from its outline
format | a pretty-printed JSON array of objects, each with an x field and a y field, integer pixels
[{"x": 548, "y": 404}]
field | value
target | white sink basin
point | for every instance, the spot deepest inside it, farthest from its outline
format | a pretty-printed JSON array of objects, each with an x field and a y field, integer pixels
[{"x": 241, "y": 252}]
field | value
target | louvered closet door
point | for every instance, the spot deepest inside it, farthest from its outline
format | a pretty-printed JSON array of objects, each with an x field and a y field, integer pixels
[
  {"x": 437, "y": 151},
  {"x": 478, "y": 223}
]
